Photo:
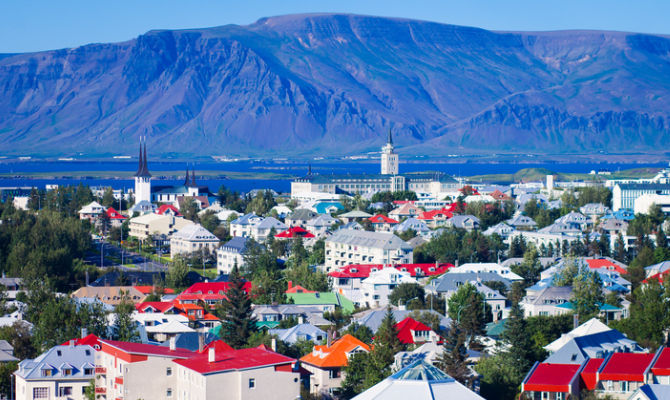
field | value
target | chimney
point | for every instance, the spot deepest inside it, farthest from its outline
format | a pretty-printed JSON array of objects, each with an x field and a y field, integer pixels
[
  {"x": 71, "y": 343},
  {"x": 575, "y": 321},
  {"x": 173, "y": 343},
  {"x": 201, "y": 342},
  {"x": 84, "y": 332},
  {"x": 301, "y": 320},
  {"x": 290, "y": 284},
  {"x": 328, "y": 337},
  {"x": 211, "y": 355},
  {"x": 273, "y": 344}
]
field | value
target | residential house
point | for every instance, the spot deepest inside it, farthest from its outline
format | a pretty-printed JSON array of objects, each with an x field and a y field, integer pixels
[
  {"x": 621, "y": 374},
  {"x": 653, "y": 391},
  {"x": 406, "y": 210},
  {"x": 546, "y": 301},
  {"x": 262, "y": 230},
  {"x": 320, "y": 224},
  {"x": 256, "y": 373},
  {"x": 327, "y": 364},
  {"x": 112, "y": 295},
  {"x": 168, "y": 209},
  {"x": 351, "y": 276},
  {"x": 300, "y": 217},
  {"x": 412, "y": 224},
  {"x": 354, "y": 215},
  {"x": 411, "y": 331},
  {"x": 379, "y": 285},
  {"x": 325, "y": 301},
  {"x": 419, "y": 380},
  {"x": 62, "y": 372},
  {"x": 467, "y": 222},
  {"x": 575, "y": 220},
  {"x": 269, "y": 315},
  {"x": 294, "y": 232},
  {"x": 478, "y": 268},
  {"x": 594, "y": 210},
  {"x": 613, "y": 227},
  {"x": 302, "y": 332},
  {"x": 552, "y": 382},
  {"x": 522, "y": 222},
  {"x": 501, "y": 229},
  {"x": 147, "y": 225},
  {"x": 241, "y": 226},
  {"x": 161, "y": 327},
  {"x": 91, "y": 211},
  {"x": 436, "y": 218},
  {"x": 231, "y": 253},
  {"x": 191, "y": 239},
  {"x": 373, "y": 318},
  {"x": 116, "y": 219},
  {"x": 346, "y": 247},
  {"x": 382, "y": 223}
]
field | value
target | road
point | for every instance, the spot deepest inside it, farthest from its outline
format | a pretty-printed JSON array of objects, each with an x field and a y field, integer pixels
[{"x": 112, "y": 252}]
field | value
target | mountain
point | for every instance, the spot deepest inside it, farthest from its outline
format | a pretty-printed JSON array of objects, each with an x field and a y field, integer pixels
[{"x": 333, "y": 84}]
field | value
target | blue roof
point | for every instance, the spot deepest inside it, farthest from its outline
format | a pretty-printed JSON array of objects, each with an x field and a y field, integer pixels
[
  {"x": 300, "y": 331},
  {"x": 656, "y": 391},
  {"x": 597, "y": 345},
  {"x": 237, "y": 243}
]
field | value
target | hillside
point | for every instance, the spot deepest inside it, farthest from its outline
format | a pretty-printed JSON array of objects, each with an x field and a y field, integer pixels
[{"x": 334, "y": 84}]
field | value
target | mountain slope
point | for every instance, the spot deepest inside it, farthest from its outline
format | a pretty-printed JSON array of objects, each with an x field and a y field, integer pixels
[{"x": 334, "y": 84}]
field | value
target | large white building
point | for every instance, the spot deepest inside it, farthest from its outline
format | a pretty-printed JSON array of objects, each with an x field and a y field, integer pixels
[
  {"x": 643, "y": 203},
  {"x": 349, "y": 246},
  {"x": 378, "y": 286},
  {"x": 389, "y": 180},
  {"x": 625, "y": 194},
  {"x": 193, "y": 238}
]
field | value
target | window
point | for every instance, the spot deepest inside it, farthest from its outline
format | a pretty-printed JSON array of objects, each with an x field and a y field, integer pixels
[
  {"x": 46, "y": 372},
  {"x": 67, "y": 371},
  {"x": 65, "y": 391},
  {"x": 169, "y": 392},
  {"x": 252, "y": 383},
  {"x": 333, "y": 373},
  {"x": 624, "y": 386},
  {"x": 40, "y": 393},
  {"x": 168, "y": 371}
]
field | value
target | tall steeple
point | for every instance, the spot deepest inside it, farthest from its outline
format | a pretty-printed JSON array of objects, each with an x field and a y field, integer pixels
[
  {"x": 390, "y": 139},
  {"x": 193, "y": 178},
  {"x": 187, "y": 177},
  {"x": 389, "y": 158},
  {"x": 142, "y": 167},
  {"x": 142, "y": 176},
  {"x": 139, "y": 163}
]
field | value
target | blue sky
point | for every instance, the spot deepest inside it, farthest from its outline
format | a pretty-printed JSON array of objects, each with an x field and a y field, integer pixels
[{"x": 32, "y": 25}]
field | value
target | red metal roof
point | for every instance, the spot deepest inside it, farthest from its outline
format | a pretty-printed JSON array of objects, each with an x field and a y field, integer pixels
[
  {"x": 294, "y": 232},
  {"x": 148, "y": 289},
  {"x": 148, "y": 349},
  {"x": 113, "y": 214},
  {"x": 589, "y": 373},
  {"x": 219, "y": 346},
  {"x": 551, "y": 378},
  {"x": 212, "y": 287},
  {"x": 626, "y": 367},
  {"x": 165, "y": 207},
  {"x": 382, "y": 219},
  {"x": 405, "y": 328},
  {"x": 430, "y": 215},
  {"x": 160, "y": 306},
  {"x": 597, "y": 263},
  {"x": 234, "y": 360},
  {"x": 363, "y": 270},
  {"x": 90, "y": 340},
  {"x": 662, "y": 365}
]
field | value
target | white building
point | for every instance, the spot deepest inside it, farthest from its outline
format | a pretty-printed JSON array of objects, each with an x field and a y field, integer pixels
[
  {"x": 91, "y": 211},
  {"x": 62, "y": 372},
  {"x": 154, "y": 224},
  {"x": 242, "y": 225},
  {"x": 389, "y": 158},
  {"x": 478, "y": 268},
  {"x": 379, "y": 285},
  {"x": 643, "y": 204},
  {"x": 348, "y": 246},
  {"x": 624, "y": 194},
  {"x": 193, "y": 238},
  {"x": 230, "y": 254},
  {"x": 142, "y": 177}
]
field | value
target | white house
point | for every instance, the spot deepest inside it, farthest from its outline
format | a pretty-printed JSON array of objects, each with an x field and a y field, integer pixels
[
  {"x": 348, "y": 246},
  {"x": 193, "y": 238},
  {"x": 379, "y": 285},
  {"x": 478, "y": 268},
  {"x": 230, "y": 254},
  {"x": 91, "y": 211}
]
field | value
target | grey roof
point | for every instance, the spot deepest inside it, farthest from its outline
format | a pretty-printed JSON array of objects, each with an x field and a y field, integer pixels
[
  {"x": 271, "y": 222},
  {"x": 654, "y": 391},
  {"x": 237, "y": 244},
  {"x": 301, "y": 214},
  {"x": 195, "y": 232},
  {"x": 458, "y": 221},
  {"x": 573, "y": 218},
  {"x": 373, "y": 319},
  {"x": 644, "y": 186},
  {"x": 550, "y": 295},
  {"x": 142, "y": 206},
  {"x": 300, "y": 332},
  {"x": 245, "y": 219},
  {"x": 383, "y": 240},
  {"x": 413, "y": 224},
  {"x": 597, "y": 345},
  {"x": 521, "y": 220},
  {"x": 416, "y": 241},
  {"x": 501, "y": 229},
  {"x": 560, "y": 228},
  {"x": 353, "y": 225},
  {"x": 322, "y": 220},
  {"x": 56, "y": 359},
  {"x": 452, "y": 280},
  {"x": 355, "y": 214}
]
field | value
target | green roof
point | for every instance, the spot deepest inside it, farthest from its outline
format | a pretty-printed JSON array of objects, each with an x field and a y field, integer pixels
[
  {"x": 267, "y": 324},
  {"x": 323, "y": 298},
  {"x": 495, "y": 328},
  {"x": 568, "y": 305}
]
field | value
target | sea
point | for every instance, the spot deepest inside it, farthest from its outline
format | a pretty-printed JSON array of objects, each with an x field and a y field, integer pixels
[{"x": 162, "y": 170}]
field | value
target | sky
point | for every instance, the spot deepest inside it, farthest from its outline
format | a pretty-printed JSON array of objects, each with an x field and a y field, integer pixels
[{"x": 34, "y": 25}]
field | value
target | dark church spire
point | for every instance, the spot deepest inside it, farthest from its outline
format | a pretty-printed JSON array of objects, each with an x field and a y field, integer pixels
[
  {"x": 187, "y": 177},
  {"x": 193, "y": 184},
  {"x": 142, "y": 167},
  {"x": 390, "y": 139}
]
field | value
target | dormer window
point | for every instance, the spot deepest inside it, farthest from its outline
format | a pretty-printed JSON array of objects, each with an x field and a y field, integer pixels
[{"x": 67, "y": 371}]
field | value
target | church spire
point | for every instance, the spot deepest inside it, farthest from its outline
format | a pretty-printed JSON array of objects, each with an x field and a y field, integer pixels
[
  {"x": 193, "y": 184},
  {"x": 390, "y": 138},
  {"x": 187, "y": 177},
  {"x": 142, "y": 167},
  {"x": 139, "y": 163}
]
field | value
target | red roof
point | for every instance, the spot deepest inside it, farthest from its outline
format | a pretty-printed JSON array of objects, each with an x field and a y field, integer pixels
[
  {"x": 160, "y": 306},
  {"x": 626, "y": 367},
  {"x": 498, "y": 195},
  {"x": 297, "y": 289},
  {"x": 662, "y": 365},
  {"x": 113, "y": 214},
  {"x": 213, "y": 287},
  {"x": 234, "y": 360},
  {"x": 660, "y": 277},
  {"x": 362, "y": 271},
  {"x": 294, "y": 232},
  {"x": 148, "y": 349},
  {"x": 382, "y": 219},
  {"x": 548, "y": 377},
  {"x": 90, "y": 340},
  {"x": 219, "y": 346},
  {"x": 589, "y": 373},
  {"x": 165, "y": 207},
  {"x": 597, "y": 263},
  {"x": 148, "y": 289},
  {"x": 405, "y": 328},
  {"x": 430, "y": 215}
]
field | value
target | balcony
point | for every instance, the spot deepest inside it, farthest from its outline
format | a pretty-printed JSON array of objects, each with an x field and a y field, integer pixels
[
  {"x": 100, "y": 390},
  {"x": 100, "y": 370}
]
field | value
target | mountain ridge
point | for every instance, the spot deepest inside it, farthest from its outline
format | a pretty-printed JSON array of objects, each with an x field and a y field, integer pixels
[{"x": 333, "y": 84}]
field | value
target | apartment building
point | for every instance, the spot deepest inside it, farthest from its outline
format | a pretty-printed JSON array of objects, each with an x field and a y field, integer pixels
[{"x": 347, "y": 246}]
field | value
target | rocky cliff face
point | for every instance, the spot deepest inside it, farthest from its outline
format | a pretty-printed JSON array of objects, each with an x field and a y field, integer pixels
[{"x": 334, "y": 84}]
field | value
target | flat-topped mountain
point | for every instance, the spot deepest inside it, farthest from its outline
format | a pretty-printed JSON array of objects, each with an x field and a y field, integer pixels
[{"x": 334, "y": 84}]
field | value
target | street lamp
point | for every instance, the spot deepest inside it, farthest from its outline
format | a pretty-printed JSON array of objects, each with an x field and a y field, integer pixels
[
  {"x": 407, "y": 301},
  {"x": 102, "y": 252}
]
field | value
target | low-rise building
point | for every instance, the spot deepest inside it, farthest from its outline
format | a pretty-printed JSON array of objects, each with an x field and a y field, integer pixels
[
  {"x": 241, "y": 226},
  {"x": 193, "y": 238},
  {"x": 112, "y": 295},
  {"x": 346, "y": 247},
  {"x": 91, "y": 211},
  {"x": 231, "y": 253},
  {"x": 379, "y": 285},
  {"x": 153, "y": 224}
]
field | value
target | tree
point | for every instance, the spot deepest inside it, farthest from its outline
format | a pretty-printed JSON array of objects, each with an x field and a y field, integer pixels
[
  {"x": 468, "y": 307},
  {"x": 6, "y": 371},
  {"x": 177, "y": 275},
  {"x": 360, "y": 332},
  {"x": 355, "y": 374},
  {"x": 636, "y": 273},
  {"x": 516, "y": 336},
  {"x": 567, "y": 274},
  {"x": 453, "y": 359},
  {"x": 108, "y": 198},
  {"x": 18, "y": 335},
  {"x": 385, "y": 345},
  {"x": 124, "y": 327},
  {"x": 408, "y": 294},
  {"x": 587, "y": 294},
  {"x": 235, "y": 312},
  {"x": 189, "y": 209},
  {"x": 530, "y": 268}
]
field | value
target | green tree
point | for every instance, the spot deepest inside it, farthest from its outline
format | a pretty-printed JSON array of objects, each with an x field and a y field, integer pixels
[
  {"x": 468, "y": 307},
  {"x": 6, "y": 371},
  {"x": 530, "y": 268},
  {"x": 411, "y": 295},
  {"x": 125, "y": 328},
  {"x": 516, "y": 336},
  {"x": 360, "y": 332},
  {"x": 108, "y": 198},
  {"x": 453, "y": 359},
  {"x": 385, "y": 345},
  {"x": 177, "y": 275},
  {"x": 236, "y": 314},
  {"x": 587, "y": 294},
  {"x": 636, "y": 273},
  {"x": 19, "y": 336},
  {"x": 355, "y": 374}
]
